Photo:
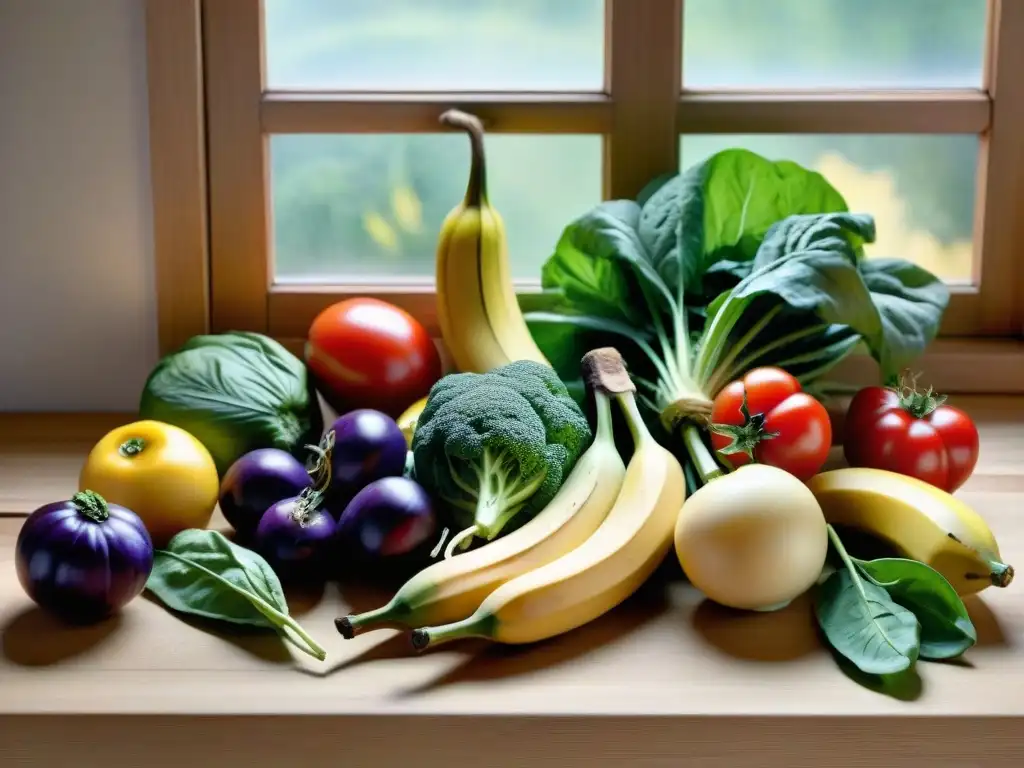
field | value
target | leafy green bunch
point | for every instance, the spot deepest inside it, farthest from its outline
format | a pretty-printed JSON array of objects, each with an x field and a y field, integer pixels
[{"x": 737, "y": 263}]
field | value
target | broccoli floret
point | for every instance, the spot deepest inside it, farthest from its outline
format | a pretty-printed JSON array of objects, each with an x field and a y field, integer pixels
[{"x": 497, "y": 446}]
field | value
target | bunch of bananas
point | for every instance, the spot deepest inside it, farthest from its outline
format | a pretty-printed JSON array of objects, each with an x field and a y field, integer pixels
[{"x": 599, "y": 539}]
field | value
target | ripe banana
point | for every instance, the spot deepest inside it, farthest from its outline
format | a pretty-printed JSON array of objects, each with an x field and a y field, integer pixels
[
  {"x": 477, "y": 309},
  {"x": 453, "y": 588},
  {"x": 924, "y": 522},
  {"x": 603, "y": 571}
]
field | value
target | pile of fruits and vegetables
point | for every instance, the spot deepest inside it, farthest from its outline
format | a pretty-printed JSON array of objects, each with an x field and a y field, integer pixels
[{"x": 664, "y": 401}]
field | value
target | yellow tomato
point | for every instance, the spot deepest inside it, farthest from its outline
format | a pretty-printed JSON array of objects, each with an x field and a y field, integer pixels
[{"x": 158, "y": 471}]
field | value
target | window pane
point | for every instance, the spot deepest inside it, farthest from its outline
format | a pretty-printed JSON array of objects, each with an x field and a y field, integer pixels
[
  {"x": 833, "y": 43},
  {"x": 435, "y": 45},
  {"x": 920, "y": 189},
  {"x": 371, "y": 206}
]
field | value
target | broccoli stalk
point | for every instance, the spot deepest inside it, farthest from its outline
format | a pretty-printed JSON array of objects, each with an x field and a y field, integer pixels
[
  {"x": 495, "y": 447},
  {"x": 500, "y": 490}
]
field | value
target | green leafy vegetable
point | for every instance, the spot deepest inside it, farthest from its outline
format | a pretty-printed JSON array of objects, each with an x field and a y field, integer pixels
[
  {"x": 884, "y": 614},
  {"x": 946, "y": 627},
  {"x": 782, "y": 260},
  {"x": 721, "y": 209},
  {"x": 497, "y": 446},
  {"x": 863, "y": 623},
  {"x": 234, "y": 392},
  {"x": 202, "y": 573}
]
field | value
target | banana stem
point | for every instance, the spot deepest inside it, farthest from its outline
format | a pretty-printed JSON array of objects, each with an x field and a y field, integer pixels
[
  {"x": 476, "y": 190},
  {"x": 390, "y": 616},
  {"x": 473, "y": 626}
]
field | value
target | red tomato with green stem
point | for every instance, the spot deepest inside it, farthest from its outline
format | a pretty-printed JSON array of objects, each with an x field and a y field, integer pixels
[
  {"x": 766, "y": 417},
  {"x": 367, "y": 353},
  {"x": 913, "y": 433}
]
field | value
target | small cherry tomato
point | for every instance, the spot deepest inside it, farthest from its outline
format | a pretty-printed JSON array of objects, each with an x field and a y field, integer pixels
[
  {"x": 767, "y": 418},
  {"x": 367, "y": 353},
  {"x": 913, "y": 433}
]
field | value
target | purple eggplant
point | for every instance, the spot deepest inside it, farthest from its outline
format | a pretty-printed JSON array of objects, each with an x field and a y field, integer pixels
[
  {"x": 255, "y": 482},
  {"x": 390, "y": 517},
  {"x": 296, "y": 537},
  {"x": 83, "y": 559},
  {"x": 364, "y": 445}
]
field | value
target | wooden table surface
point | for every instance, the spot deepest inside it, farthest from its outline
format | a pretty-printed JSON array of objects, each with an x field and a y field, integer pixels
[{"x": 665, "y": 677}]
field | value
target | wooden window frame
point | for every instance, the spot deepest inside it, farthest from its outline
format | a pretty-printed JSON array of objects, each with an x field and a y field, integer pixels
[{"x": 211, "y": 116}]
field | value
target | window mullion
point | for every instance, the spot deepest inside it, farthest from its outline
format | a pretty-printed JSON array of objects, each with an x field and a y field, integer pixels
[
  {"x": 237, "y": 151},
  {"x": 1001, "y": 309},
  {"x": 643, "y": 60}
]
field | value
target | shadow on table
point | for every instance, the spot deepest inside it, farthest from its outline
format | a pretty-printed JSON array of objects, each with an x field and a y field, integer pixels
[
  {"x": 985, "y": 622},
  {"x": 263, "y": 643},
  {"x": 492, "y": 661},
  {"x": 35, "y": 638},
  {"x": 394, "y": 647},
  {"x": 787, "y": 634}
]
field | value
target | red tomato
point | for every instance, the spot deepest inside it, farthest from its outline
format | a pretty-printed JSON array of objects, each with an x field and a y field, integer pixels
[
  {"x": 367, "y": 353},
  {"x": 782, "y": 426},
  {"x": 913, "y": 433}
]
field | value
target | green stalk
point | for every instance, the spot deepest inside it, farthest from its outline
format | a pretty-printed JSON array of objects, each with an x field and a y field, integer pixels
[
  {"x": 472, "y": 626},
  {"x": 783, "y": 341},
  {"x": 724, "y": 371},
  {"x": 716, "y": 336},
  {"x": 705, "y": 463},
  {"x": 672, "y": 379}
]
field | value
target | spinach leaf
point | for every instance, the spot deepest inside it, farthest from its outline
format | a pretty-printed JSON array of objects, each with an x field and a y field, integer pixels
[
  {"x": 202, "y": 573},
  {"x": 946, "y": 627},
  {"x": 587, "y": 265},
  {"x": 862, "y": 622},
  {"x": 810, "y": 263},
  {"x": 910, "y": 302},
  {"x": 721, "y": 209},
  {"x": 833, "y": 231}
]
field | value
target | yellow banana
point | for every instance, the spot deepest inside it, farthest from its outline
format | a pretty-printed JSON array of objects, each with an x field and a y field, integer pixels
[
  {"x": 924, "y": 522},
  {"x": 605, "y": 569},
  {"x": 453, "y": 588},
  {"x": 477, "y": 309},
  {"x": 409, "y": 418}
]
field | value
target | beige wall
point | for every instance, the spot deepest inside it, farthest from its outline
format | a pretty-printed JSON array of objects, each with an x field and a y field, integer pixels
[{"x": 77, "y": 314}]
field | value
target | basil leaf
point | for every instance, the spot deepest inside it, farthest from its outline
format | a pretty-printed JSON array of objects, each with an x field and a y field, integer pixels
[
  {"x": 863, "y": 624},
  {"x": 946, "y": 627},
  {"x": 203, "y": 573}
]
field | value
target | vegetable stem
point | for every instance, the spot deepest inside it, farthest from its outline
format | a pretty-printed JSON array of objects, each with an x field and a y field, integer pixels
[
  {"x": 603, "y": 408},
  {"x": 705, "y": 463},
  {"x": 388, "y": 616},
  {"x": 476, "y": 190},
  {"x": 748, "y": 360},
  {"x": 133, "y": 446},
  {"x": 91, "y": 505},
  {"x": 472, "y": 626},
  {"x": 724, "y": 370},
  {"x": 313, "y": 648}
]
